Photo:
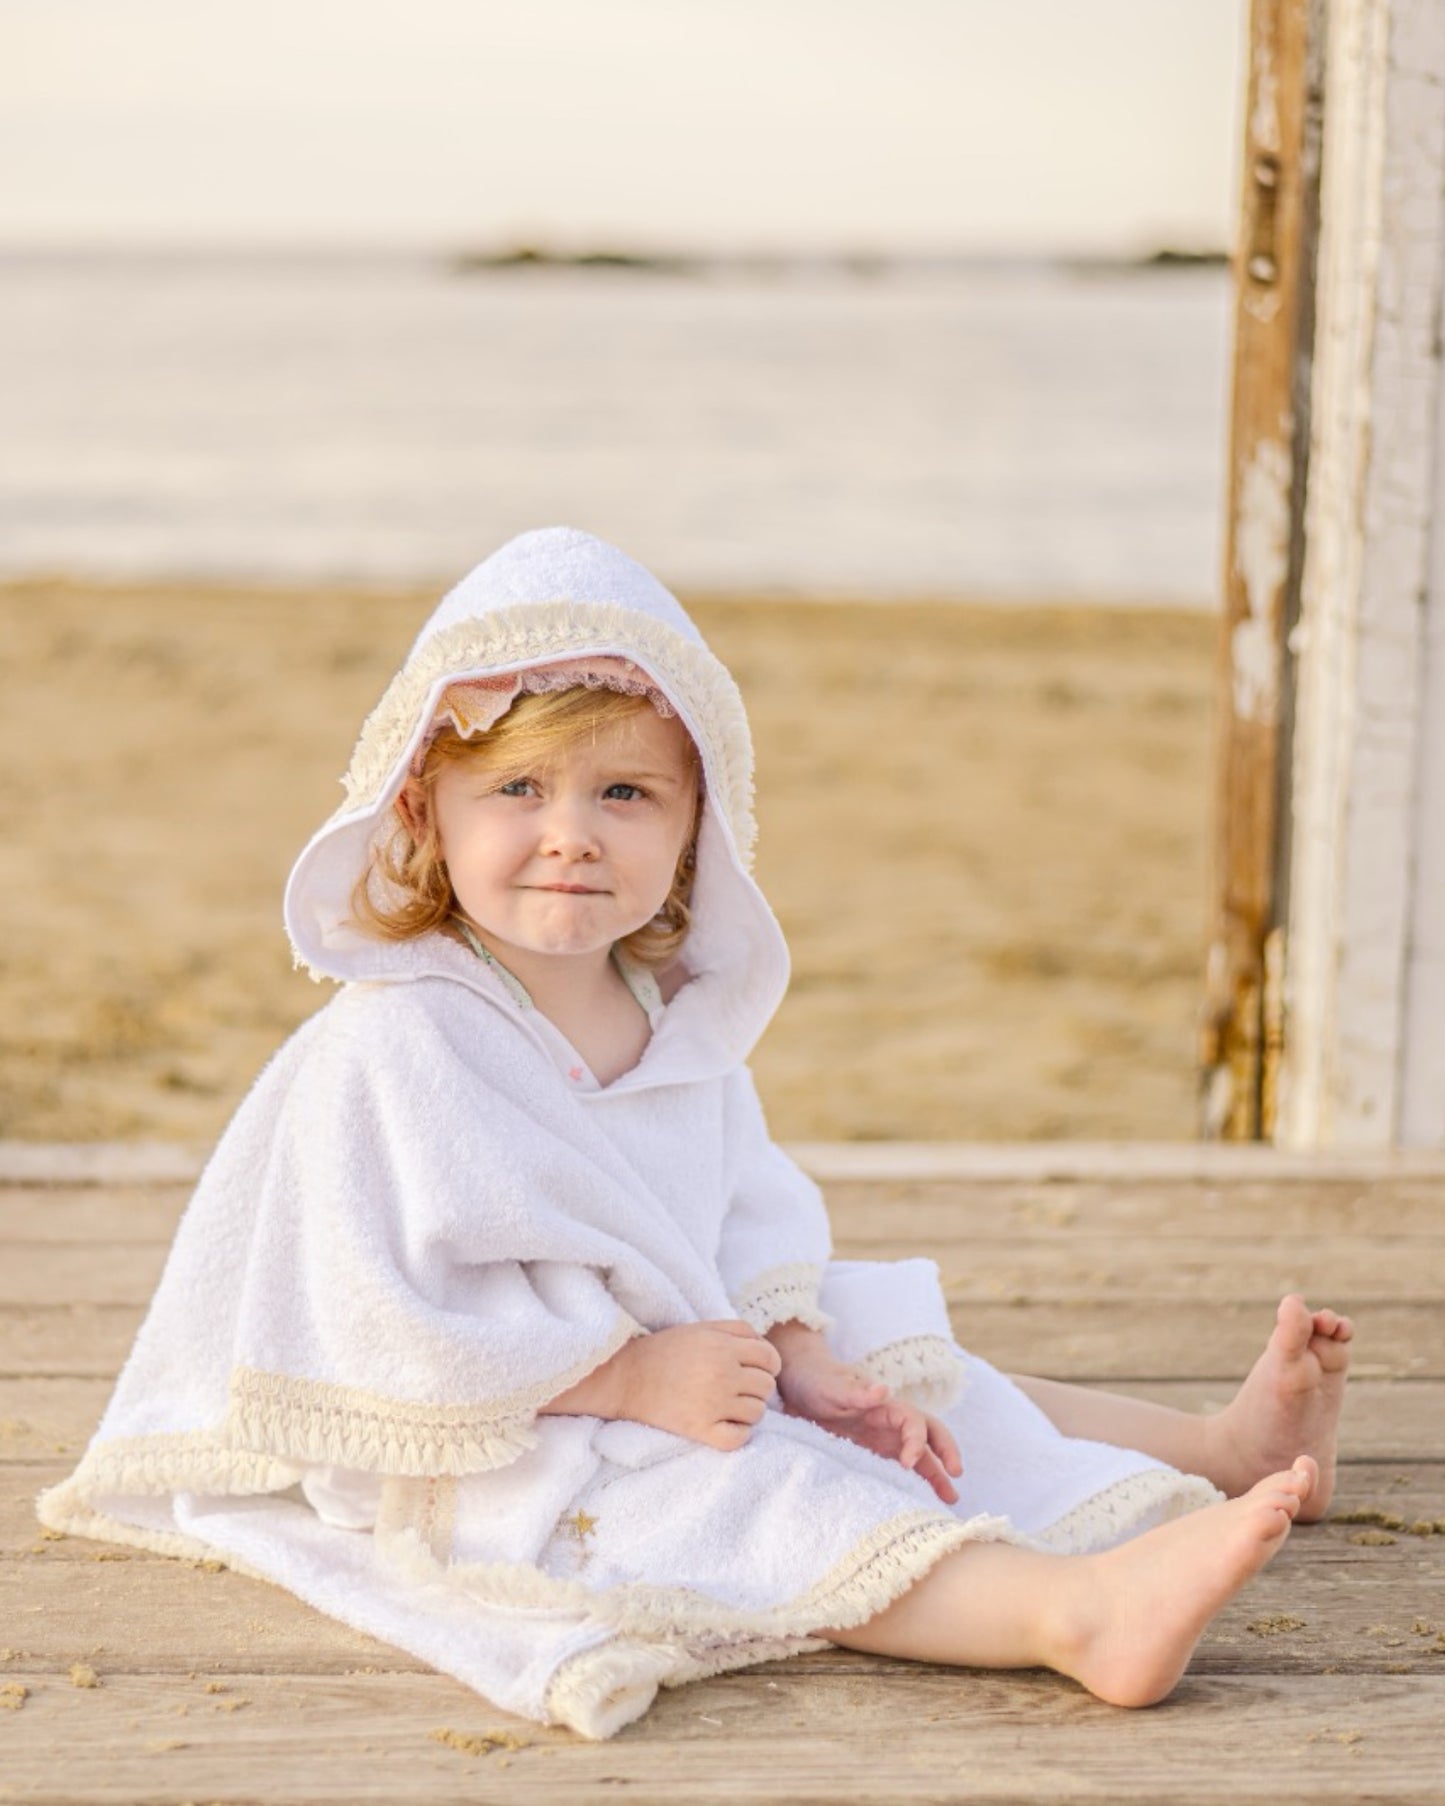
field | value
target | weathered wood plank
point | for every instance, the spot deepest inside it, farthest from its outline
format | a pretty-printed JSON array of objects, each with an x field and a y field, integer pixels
[
  {"x": 66, "y": 1273},
  {"x": 1051, "y": 1267},
  {"x": 920, "y": 1211},
  {"x": 1082, "y": 1338},
  {"x": 1116, "y": 1163},
  {"x": 1138, "y": 1338},
  {"x": 40, "y": 1418},
  {"x": 79, "y": 1341},
  {"x": 91, "y": 1213},
  {"x": 767, "y": 1739},
  {"x": 38, "y": 1163},
  {"x": 136, "y": 1615},
  {"x": 911, "y": 1211},
  {"x": 1066, "y": 1268}
]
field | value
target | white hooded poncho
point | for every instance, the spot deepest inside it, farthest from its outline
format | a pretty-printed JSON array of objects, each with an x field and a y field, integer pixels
[{"x": 428, "y": 1218}]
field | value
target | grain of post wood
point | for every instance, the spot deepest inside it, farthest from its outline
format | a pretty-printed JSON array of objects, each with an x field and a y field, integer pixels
[
  {"x": 1324, "y": 1681},
  {"x": 1274, "y": 334}
]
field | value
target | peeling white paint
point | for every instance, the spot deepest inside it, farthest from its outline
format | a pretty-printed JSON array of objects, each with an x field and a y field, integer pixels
[
  {"x": 1365, "y": 1058},
  {"x": 1264, "y": 120},
  {"x": 1261, "y": 558}
]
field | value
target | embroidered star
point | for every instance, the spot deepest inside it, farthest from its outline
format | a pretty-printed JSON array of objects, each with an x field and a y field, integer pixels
[{"x": 580, "y": 1525}]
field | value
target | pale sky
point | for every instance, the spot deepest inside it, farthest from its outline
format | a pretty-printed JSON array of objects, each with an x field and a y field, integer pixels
[{"x": 891, "y": 124}]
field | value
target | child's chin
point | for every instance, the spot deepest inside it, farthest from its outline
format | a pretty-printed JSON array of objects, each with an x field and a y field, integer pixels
[{"x": 578, "y": 944}]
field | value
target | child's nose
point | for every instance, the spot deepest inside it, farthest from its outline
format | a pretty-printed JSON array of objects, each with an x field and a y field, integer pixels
[{"x": 570, "y": 830}]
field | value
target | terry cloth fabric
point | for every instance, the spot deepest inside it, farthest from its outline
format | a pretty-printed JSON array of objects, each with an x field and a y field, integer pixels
[{"x": 428, "y": 1218}]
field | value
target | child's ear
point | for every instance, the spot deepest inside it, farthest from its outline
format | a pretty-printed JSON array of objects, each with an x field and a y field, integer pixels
[{"x": 410, "y": 805}]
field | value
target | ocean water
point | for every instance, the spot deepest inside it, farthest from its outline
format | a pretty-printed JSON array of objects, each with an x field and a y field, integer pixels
[{"x": 1000, "y": 432}]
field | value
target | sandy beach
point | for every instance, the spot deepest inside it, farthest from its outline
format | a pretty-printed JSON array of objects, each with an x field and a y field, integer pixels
[{"x": 984, "y": 830}]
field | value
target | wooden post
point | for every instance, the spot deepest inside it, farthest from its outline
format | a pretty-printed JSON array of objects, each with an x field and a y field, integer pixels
[
  {"x": 1364, "y": 1059},
  {"x": 1242, "y": 1020}
]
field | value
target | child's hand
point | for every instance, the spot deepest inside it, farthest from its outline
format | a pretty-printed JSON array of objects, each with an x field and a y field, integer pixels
[
  {"x": 839, "y": 1399},
  {"x": 707, "y": 1381}
]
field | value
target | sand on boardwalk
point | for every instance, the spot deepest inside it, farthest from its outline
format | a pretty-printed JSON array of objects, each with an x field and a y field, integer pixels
[{"x": 985, "y": 831}]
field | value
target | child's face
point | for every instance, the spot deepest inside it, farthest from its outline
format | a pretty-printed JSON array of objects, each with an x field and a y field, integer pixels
[{"x": 573, "y": 856}]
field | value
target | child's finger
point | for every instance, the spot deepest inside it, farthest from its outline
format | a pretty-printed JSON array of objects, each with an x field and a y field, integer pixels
[
  {"x": 930, "y": 1470},
  {"x": 914, "y": 1444},
  {"x": 761, "y": 1353},
  {"x": 755, "y": 1382},
  {"x": 941, "y": 1441}
]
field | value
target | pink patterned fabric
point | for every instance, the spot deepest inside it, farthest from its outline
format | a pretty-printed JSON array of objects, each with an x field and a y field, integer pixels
[{"x": 478, "y": 703}]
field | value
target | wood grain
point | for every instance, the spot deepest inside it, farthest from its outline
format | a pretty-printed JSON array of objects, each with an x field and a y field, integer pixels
[
  {"x": 763, "y": 1737},
  {"x": 1324, "y": 1681}
]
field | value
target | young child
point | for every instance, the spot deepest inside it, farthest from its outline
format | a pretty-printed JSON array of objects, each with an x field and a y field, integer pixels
[{"x": 498, "y": 1327}]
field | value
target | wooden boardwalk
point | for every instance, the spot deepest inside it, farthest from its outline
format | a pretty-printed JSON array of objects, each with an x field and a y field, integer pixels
[{"x": 1325, "y": 1680}]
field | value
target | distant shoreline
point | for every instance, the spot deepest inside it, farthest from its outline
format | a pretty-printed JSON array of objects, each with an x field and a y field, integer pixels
[
  {"x": 847, "y": 264},
  {"x": 19, "y": 587}
]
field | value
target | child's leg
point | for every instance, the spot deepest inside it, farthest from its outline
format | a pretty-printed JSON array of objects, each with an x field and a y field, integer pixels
[
  {"x": 1289, "y": 1405},
  {"x": 1123, "y": 1623}
]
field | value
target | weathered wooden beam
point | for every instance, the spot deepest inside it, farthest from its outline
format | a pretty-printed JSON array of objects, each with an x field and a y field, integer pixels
[
  {"x": 1365, "y": 1060},
  {"x": 1241, "y": 1021}
]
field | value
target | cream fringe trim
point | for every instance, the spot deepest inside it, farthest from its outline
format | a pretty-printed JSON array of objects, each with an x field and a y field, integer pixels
[
  {"x": 926, "y": 1369},
  {"x": 186, "y": 1461},
  {"x": 428, "y": 1444},
  {"x": 885, "y": 1563},
  {"x": 781, "y": 1295},
  {"x": 530, "y": 632},
  {"x": 1127, "y": 1508},
  {"x": 343, "y": 1426},
  {"x": 64, "y": 1508}
]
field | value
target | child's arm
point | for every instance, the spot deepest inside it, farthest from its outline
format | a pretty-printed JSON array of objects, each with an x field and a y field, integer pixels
[
  {"x": 813, "y": 1383},
  {"x": 707, "y": 1381}
]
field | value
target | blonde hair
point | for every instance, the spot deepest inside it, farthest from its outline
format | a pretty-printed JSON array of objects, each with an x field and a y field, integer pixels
[{"x": 531, "y": 734}]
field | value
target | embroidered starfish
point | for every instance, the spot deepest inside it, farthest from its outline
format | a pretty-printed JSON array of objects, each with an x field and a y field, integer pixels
[{"x": 580, "y": 1525}]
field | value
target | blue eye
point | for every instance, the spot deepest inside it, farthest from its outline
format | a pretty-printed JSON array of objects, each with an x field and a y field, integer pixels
[
  {"x": 515, "y": 787},
  {"x": 632, "y": 790}
]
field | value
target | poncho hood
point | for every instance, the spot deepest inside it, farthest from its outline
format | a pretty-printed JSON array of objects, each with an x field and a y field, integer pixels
[{"x": 550, "y": 595}]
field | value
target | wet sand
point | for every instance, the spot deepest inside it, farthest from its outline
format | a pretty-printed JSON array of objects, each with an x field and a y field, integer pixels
[{"x": 984, "y": 830}]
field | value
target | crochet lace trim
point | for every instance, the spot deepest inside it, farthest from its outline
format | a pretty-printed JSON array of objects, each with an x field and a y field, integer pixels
[
  {"x": 781, "y": 1295},
  {"x": 883, "y": 1564},
  {"x": 180, "y": 1461},
  {"x": 530, "y": 632},
  {"x": 1136, "y": 1503},
  {"x": 278, "y": 1425},
  {"x": 64, "y": 1508},
  {"x": 926, "y": 1369},
  {"x": 343, "y": 1426}
]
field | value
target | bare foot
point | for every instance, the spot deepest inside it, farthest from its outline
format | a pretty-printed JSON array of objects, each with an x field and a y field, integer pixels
[
  {"x": 1133, "y": 1614},
  {"x": 1289, "y": 1405}
]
